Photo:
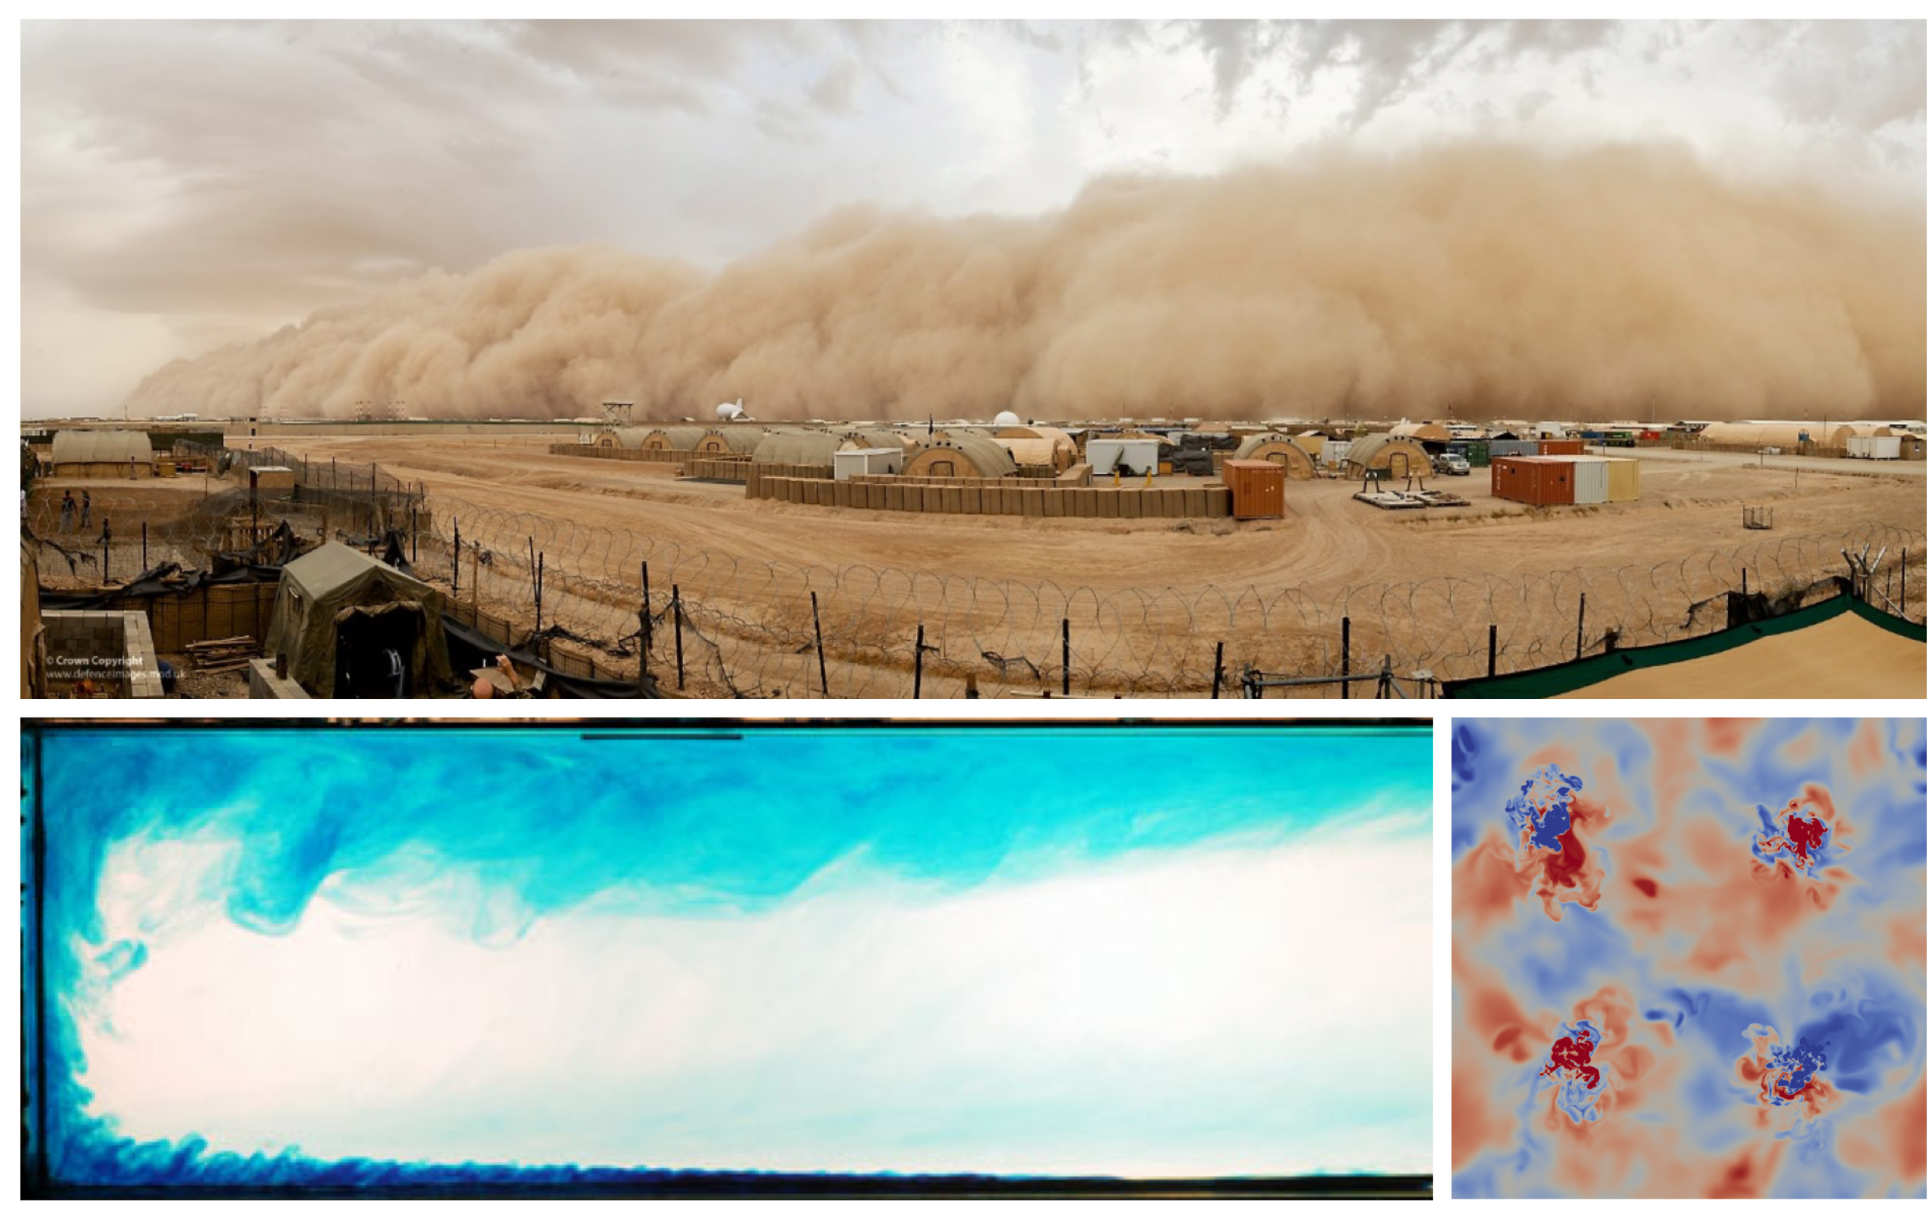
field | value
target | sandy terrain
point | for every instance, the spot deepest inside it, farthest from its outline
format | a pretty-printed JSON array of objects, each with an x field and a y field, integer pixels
[
  {"x": 1845, "y": 657},
  {"x": 1148, "y": 598}
]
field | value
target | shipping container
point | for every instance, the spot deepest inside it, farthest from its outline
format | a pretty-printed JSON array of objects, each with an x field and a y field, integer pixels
[
  {"x": 1537, "y": 481},
  {"x": 1623, "y": 479},
  {"x": 1139, "y": 457},
  {"x": 1511, "y": 448},
  {"x": 1876, "y": 448},
  {"x": 1475, "y": 452},
  {"x": 1258, "y": 488},
  {"x": 850, "y": 463},
  {"x": 1592, "y": 483},
  {"x": 1558, "y": 448}
]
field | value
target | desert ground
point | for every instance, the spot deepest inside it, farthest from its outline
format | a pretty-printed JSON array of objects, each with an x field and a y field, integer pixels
[{"x": 1149, "y": 598}]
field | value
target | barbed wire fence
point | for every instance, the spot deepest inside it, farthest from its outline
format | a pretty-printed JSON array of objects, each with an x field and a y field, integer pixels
[{"x": 717, "y": 624}]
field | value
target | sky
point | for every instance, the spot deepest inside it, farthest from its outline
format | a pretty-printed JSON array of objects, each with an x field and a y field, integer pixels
[
  {"x": 926, "y": 951},
  {"x": 313, "y": 163}
]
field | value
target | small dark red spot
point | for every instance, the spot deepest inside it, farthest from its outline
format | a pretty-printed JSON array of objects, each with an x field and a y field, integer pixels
[{"x": 1645, "y": 886}]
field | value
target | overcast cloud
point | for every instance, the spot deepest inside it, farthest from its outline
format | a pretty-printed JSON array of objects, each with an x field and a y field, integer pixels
[{"x": 189, "y": 185}]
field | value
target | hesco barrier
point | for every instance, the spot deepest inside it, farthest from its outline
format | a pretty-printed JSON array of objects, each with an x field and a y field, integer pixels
[
  {"x": 999, "y": 497},
  {"x": 760, "y": 471},
  {"x": 716, "y": 469},
  {"x": 675, "y": 456}
]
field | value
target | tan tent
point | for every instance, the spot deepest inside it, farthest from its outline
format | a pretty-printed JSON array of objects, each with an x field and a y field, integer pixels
[
  {"x": 339, "y": 617},
  {"x": 1398, "y": 456},
  {"x": 1060, "y": 452},
  {"x": 960, "y": 455},
  {"x": 798, "y": 448},
  {"x": 103, "y": 453},
  {"x": 1284, "y": 452},
  {"x": 629, "y": 437},
  {"x": 875, "y": 437},
  {"x": 1311, "y": 442},
  {"x": 724, "y": 442},
  {"x": 1772, "y": 435},
  {"x": 667, "y": 439}
]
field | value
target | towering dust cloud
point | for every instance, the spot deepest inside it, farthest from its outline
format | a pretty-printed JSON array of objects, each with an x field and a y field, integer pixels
[{"x": 1474, "y": 280}]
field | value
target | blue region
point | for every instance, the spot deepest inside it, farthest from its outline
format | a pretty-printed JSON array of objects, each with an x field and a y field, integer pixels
[
  {"x": 1856, "y": 1045},
  {"x": 696, "y": 825},
  {"x": 1716, "y": 1017},
  {"x": 1567, "y": 960},
  {"x": 1547, "y": 823}
]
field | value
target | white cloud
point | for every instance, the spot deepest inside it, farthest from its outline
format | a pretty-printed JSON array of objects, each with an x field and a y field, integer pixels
[{"x": 1207, "y": 1012}]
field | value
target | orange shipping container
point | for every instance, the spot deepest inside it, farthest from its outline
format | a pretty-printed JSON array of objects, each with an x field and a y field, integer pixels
[
  {"x": 1537, "y": 481},
  {"x": 1559, "y": 448},
  {"x": 1257, "y": 487}
]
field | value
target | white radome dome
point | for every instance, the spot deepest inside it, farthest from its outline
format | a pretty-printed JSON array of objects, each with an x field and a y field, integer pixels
[
  {"x": 1006, "y": 419},
  {"x": 730, "y": 410}
]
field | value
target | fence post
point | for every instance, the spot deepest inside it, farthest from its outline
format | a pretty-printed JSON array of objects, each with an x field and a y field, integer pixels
[
  {"x": 455, "y": 554},
  {"x": 332, "y": 482},
  {"x": 1492, "y": 650},
  {"x": 1580, "y": 597},
  {"x": 1744, "y": 580},
  {"x": 144, "y": 547},
  {"x": 1216, "y": 692},
  {"x": 1344, "y": 658},
  {"x": 644, "y": 619},
  {"x": 539, "y": 592},
  {"x": 104, "y": 551},
  {"x": 918, "y": 659},
  {"x": 677, "y": 619},
  {"x": 1066, "y": 657},
  {"x": 818, "y": 640}
]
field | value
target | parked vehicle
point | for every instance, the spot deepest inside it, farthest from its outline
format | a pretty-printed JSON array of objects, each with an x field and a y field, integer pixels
[{"x": 1452, "y": 463}]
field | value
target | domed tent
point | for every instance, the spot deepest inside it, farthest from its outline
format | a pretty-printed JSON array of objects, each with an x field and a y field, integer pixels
[
  {"x": 723, "y": 442},
  {"x": 623, "y": 438},
  {"x": 103, "y": 453},
  {"x": 351, "y": 626},
  {"x": 1292, "y": 458},
  {"x": 961, "y": 455},
  {"x": 797, "y": 448},
  {"x": 1397, "y": 456},
  {"x": 672, "y": 439}
]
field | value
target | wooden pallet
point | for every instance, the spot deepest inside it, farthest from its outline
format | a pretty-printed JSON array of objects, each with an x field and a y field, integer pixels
[{"x": 222, "y": 654}]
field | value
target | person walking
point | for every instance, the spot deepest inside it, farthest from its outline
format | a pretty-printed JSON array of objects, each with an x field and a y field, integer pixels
[
  {"x": 87, "y": 509},
  {"x": 67, "y": 511}
]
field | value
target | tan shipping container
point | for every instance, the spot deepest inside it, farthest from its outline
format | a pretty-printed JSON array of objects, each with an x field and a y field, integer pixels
[{"x": 1623, "y": 479}]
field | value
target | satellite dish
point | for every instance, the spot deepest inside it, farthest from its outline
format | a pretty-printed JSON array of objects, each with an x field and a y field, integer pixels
[{"x": 1006, "y": 419}]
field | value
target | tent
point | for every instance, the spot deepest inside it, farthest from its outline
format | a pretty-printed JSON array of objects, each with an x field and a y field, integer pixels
[
  {"x": 103, "y": 453},
  {"x": 1842, "y": 647},
  {"x": 960, "y": 455},
  {"x": 1294, "y": 459},
  {"x": 339, "y": 617}
]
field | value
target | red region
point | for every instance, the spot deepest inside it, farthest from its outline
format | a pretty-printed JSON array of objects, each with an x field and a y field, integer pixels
[
  {"x": 1805, "y": 833},
  {"x": 1572, "y": 1053}
]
